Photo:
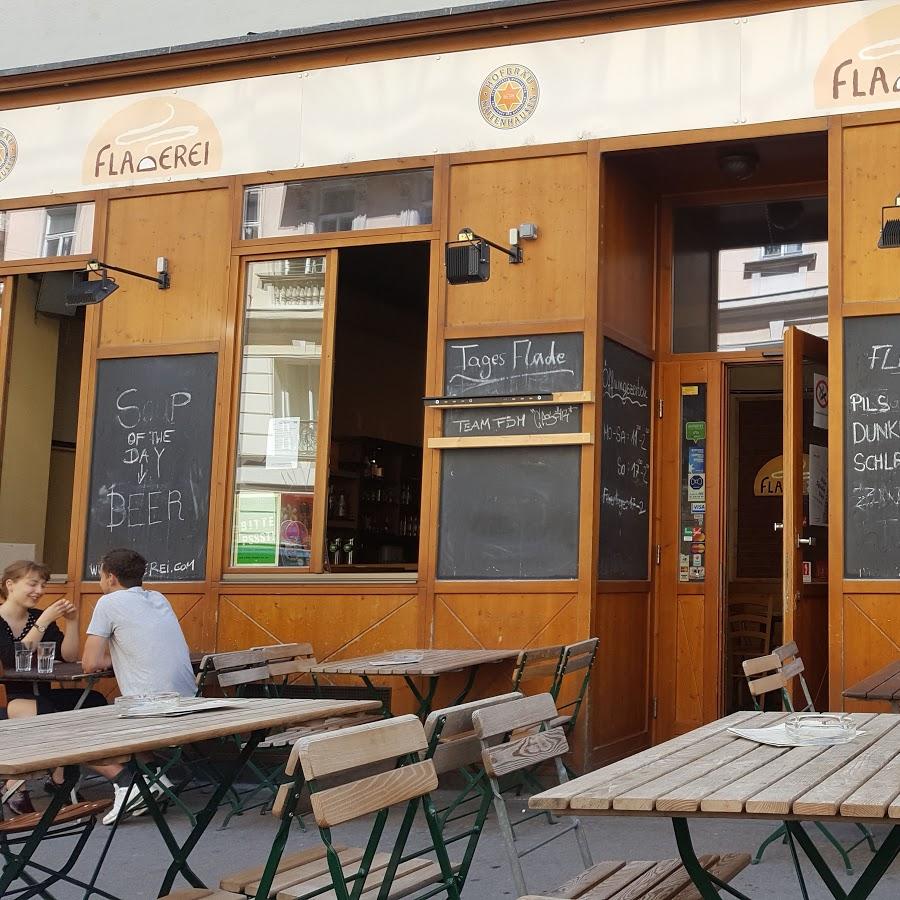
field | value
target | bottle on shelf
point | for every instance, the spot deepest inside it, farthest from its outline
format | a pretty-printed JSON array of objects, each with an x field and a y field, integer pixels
[{"x": 342, "y": 505}]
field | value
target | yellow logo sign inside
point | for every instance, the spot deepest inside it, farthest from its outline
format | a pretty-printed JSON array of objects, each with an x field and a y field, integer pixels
[
  {"x": 9, "y": 152},
  {"x": 769, "y": 481},
  {"x": 509, "y": 96},
  {"x": 158, "y": 136},
  {"x": 862, "y": 66}
]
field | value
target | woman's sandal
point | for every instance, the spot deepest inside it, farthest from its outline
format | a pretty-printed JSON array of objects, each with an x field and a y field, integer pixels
[{"x": 19, "y": 804}]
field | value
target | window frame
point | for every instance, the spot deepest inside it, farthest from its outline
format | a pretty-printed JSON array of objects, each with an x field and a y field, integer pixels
[
  {"x": 36, "y": 264},
  {"x": 323, "y": 422}
]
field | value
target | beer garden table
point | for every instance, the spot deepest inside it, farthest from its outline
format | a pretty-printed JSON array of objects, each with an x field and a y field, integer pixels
[
  {"x": 101, "y": 735},
  {"x": 712, "y": 773},
  {"x": 882, "y": 685},
  {"x": 411, "y": 664}
]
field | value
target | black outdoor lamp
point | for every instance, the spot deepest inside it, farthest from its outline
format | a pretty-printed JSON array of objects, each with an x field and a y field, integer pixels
[
  {"x": 889, "y": 238},
  {"x": 86, "y": 292},
  {"x": 468, "y": 258}
]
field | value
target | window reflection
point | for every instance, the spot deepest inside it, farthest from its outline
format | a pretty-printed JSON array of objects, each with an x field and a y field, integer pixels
[
  {"x": 46, "y": 231},
  {"x": 277, "y": 439}
]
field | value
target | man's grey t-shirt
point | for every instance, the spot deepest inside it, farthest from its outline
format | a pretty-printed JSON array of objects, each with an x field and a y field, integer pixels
[{"x": 146, "y": 644}]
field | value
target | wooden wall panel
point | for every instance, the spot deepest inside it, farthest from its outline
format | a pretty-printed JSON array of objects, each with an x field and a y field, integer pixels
[
  {"x": 628, "y": 253},
  {"x": 621, "y": 673},
  {"x": 337, "y": 625},
  {"x": 689, "y": 671},
  {"x": 491, "y": 198},
  {"x": 871, "y": 180},
  {"x": 192, "y": 230},
  {"x": 871, "y": 640}
]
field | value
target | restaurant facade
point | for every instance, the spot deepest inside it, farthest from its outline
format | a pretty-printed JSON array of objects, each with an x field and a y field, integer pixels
[{"x": 502, "y": 327}]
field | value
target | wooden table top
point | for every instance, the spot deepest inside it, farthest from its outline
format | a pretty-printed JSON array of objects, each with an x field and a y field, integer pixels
[
  {"x": 87, "y": 735},
  {"x": 68, "y": 671},
  {"x": 432, "y": 663},
  {"x": 709, "y": 772},
  {"x": 882, "y": 685}
]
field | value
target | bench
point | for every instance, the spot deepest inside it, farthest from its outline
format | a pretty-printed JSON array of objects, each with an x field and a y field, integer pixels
[{"x": 665, "y": 879}]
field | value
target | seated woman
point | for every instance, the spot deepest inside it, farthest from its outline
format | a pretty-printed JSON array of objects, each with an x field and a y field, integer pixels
[{"x": 21, "y": 587}]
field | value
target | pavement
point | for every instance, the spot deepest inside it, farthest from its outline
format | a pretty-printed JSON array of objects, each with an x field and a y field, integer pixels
[{"x": 138, "y": 858}]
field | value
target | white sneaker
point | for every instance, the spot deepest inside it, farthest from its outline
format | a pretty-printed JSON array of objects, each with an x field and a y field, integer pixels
[{"x": 136, "y": 805}]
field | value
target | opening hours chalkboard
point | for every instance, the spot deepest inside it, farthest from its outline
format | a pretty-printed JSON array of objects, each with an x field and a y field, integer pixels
[
  {"x": 151, "y": 462},
  {"x": 625, "y": 464},
  {"x": 872, "y": 447},
  {"x": 511, "y": 512}
]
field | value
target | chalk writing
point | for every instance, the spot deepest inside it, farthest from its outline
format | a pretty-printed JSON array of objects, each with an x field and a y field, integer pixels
[{"x": 552, "y": 419}]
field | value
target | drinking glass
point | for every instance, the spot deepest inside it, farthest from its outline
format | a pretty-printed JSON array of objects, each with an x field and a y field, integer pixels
[
  {"x": 23, "y": 657},
  {"x": 46, "y": 653}
]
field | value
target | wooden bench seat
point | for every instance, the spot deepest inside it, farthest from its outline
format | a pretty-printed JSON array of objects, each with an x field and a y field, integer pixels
[
  {"x": 71, "y": 813},
  {"x": 666, "y": 879}
]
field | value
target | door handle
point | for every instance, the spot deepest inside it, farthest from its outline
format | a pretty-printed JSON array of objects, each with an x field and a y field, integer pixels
[
  {"x": 778, "y": 526},
  {"x": 806, "y": 542}
]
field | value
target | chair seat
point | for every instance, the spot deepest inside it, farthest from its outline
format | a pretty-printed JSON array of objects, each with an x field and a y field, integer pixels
[
  {"x": 291, "y": 736},
  {"x": 665, "y": 879},
  {"x": 28, "y": 821},
  {"x": 307, "y": 871}
]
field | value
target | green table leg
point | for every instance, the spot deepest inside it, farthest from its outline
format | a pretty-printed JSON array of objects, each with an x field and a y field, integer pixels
[
  {"x": 871, "y": 875},
  {"x": 470, "y": 680},
  {"x": 425, "y": 700},
  {"x": 181, "y": 852},
  {"x": 14, "y": 867},
  {"x": 708, "y": 886}
]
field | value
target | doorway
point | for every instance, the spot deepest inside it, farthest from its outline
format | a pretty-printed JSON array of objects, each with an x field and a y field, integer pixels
[{"x": 44, "y": 342}]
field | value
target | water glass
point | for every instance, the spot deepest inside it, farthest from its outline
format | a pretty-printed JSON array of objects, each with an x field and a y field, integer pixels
[
  {"x": 46, "y": 653},
  {"x": 23, "y": 657}
]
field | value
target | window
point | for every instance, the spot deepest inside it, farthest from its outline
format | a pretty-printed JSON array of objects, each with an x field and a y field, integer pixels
[
  {"x": 351, "y": 203},
  {"x": 744, "y": 271},
  {"x": 46, "y": 231},
  {"x": 275, "y": 483}
]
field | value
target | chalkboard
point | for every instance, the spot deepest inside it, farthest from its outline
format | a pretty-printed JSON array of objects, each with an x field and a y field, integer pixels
[
  {"x": 509, "y": 512},
  {"x": 521, "y": 364},
  {"x": 625, "y": 464},
  {"x": 872, "y": 447},
  {"x": 150, "y": 471}
]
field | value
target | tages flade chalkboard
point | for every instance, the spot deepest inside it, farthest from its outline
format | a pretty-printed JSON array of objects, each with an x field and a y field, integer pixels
[
  {"x": 511, "y": 512},
  {"x": 625, "y": 464},
  {"x": 150, "y": 468},
  {"x": 872, "y": 447}
]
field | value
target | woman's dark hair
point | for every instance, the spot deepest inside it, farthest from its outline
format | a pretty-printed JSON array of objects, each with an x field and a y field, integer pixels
[
  {"x": 127, "y": 565},
  {"x": 21, "y": 568}
]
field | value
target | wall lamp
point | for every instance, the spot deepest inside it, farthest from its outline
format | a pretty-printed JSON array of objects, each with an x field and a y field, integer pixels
[
  {"x": 86, "y": 291},
  {"x": 468, "y": 258},
  {"x": 889, "y": 237}
]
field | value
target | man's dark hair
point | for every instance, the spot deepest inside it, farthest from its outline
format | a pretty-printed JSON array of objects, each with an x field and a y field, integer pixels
[{"x": 127, "y": 565}]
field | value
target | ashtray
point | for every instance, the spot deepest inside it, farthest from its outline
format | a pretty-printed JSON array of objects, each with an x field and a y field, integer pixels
[
  {"x": 161, "y": 701},
  {"x": 821, "y": 728}
]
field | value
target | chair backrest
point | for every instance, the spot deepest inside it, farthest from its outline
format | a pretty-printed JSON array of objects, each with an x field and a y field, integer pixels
[
  {"x": 340, "y": 752},
  {"x": 287, "y": 659},
  {"x": 450, "y": 732},
  {"x": 537, "y": 663},
  {"x": 775, "y": 672},
  {"x": 234, "y": 668},
  {"x": 749, "y": 628},
  {"x": 574, "y": 669},
  {"x": 513, "y": 754}
]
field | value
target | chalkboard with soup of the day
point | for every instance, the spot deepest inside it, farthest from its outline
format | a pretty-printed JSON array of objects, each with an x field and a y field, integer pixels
[
  {"x": 872, "y": 447},
  {"x": 625, "y": 464},
  {"x": 151, "y": 462}
]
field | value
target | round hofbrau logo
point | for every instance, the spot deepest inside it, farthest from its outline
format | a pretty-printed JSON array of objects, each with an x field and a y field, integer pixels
[
  {"x": 509, "y": 96},
  {"x": 156, "y": 137},
  {"x": 9, "y": 152},
  {"x": 862, "y": 65}
]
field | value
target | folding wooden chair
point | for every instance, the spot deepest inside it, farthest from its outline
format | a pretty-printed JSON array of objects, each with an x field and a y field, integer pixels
[
  {"x": 774, "y": 673},
  {"x": 536, "y": 669},
  {"x": 574, "y": 675},
  {"x": 502, "y": 753}
]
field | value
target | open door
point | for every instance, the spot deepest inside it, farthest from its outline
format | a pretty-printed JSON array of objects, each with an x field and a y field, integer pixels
[{"x": 805, "y": 554}]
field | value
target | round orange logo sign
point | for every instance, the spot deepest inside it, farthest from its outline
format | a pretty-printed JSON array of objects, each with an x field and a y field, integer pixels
[
  {"x": 509, "y": 96},
  {"x": 9, "y": 152}
]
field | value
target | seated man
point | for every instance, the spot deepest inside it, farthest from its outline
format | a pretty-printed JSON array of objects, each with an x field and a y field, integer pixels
[{"x": 137, "y": 632}]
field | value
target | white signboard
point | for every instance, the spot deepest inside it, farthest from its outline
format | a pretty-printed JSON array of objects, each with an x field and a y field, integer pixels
[
  {"x": 820, "y": 400},
  {"x": 818, "y": 485},
  {"x": 794, "y": 64}
]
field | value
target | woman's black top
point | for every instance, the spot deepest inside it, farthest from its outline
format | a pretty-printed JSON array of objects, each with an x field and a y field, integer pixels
[{"x": 8, "y": 654}]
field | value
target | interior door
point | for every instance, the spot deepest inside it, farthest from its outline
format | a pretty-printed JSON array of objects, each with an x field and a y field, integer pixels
[
  {"x": 805, "y": 553},
  {"x": 688, "y": 633}
]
